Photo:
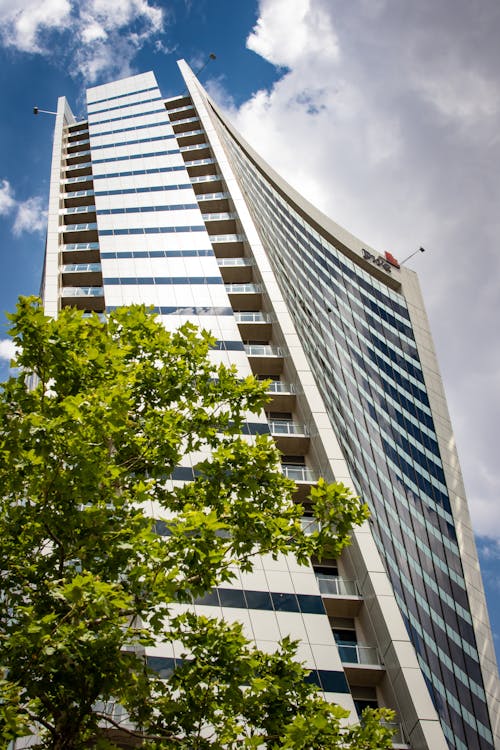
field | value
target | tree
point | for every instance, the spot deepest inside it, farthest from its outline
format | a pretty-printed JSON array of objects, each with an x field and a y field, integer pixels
[{"x": 98, "y": 544}]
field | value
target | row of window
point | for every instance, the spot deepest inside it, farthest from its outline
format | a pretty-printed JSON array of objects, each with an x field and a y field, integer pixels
[
  {"x": 327, "y": 680},
  {"x": 145, "y": 209},
  {"x": 120, "y": 96},
  {"x": 185, "y": 310},
  {"x": 202, "y": 253},
  {"x": 135, "y": 142},
  {"x": 150, "y": 189},
  {"x": 182, "y": 280},
  {"x": 150, "y": 230},
  {"x": 131, "y": 128},
  {"x": 157, "y": 170},
  {"x": 128, "y": 157},
  {"x": 128, "y": 117},
  {"x": 123, "y": 106}
]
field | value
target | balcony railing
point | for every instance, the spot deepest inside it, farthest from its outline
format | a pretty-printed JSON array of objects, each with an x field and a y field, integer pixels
[
  {"x": 210, "y": 196},
  {"x": 79, "y": 194},
  {"x": 356, "y": 653},
  {"x": 186, "y": 119},
  {"x": 80, "y": 178},
  {"x": 187, "y": 133},
  {"x": 197, "y": 162},
  {"x": 70, "y": 144},
  {"x": 219, "y": 216},
  {"x": 263, "y": 350},
  {"x": 77, "y": 210},
  {"x": 207, "y": 178},
  {"x": 193, "y": 147},
  {"x": 227, "y": 238},
  {"x": 78, "y": 227},
  {"x": 246, "y": 317},
  {"x": 83, "y": 165},
  {"x": 243, "y": 288},
  {"x": 280, "y": 386},
  {"x": 81, "y": 267},
  {"x": 309, "y": 525},
  {"x": 337, "y": 586},
  {"x": 82, "y": 291},
  {"x": 233, "y": 261},
  {"x": 299, "y": 473},
  {"x": 73, "y": 154},
  {"x": 287, "y": 427},
  {"x": 71, "y": 246},
  {"x": 180, "y": 109}
]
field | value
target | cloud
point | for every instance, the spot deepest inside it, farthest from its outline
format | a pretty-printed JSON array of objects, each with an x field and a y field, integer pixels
[
  {"x": 7, "y": 201},
  {"x": 7, "y": 349},
  {"x": 24, "y": 23},
  {"x": 287, "y": 32},
  {"x": 29, "y": 215},
  {"x": 100, "y": 37},
  {"x": 386, "y": 117}
]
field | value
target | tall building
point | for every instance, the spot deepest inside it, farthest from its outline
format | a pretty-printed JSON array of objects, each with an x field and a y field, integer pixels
[{"x": 162, "y": 202}]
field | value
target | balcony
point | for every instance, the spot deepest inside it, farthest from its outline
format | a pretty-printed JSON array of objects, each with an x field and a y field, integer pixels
[
  {"x": 179, "y": 114},
  {"x": 213, "y": 201},
  {"x": 78, "y": 157},
  {"x": 362, "y": 664},
  {"x": 191, "y": 137},
  {"x": 184, "y": 125},
  {"x": 87, "y": 214},
  {"x": 238, "y": 269},
  {"x": 303, "y": 477},
  {"x": 244, "y": 296},
  {"x": 79, "y": 180},
  {"x": 194, "y": 151},
  {"x": 75, "y": 274},
  {"x": 228, "y": 245},
  {"x": 201, "y": 167},
  {"x": 86, "y": 232},
  {"x": 265, "y": 358},
  {"x": 76, "y": 198},
  {"x": 291, "y": 438},
  {"x": 282, "y": 395},
  {"x": 78, "y": 170},
  {"x": 80, "y": 252},
  {"x": 83, "y": 297},
  {"x": 341, "y": 596},
  {"x": 253, "y": 325},
  {"x": 176, "y": 102},
  {"x": 74, "y": 146}
]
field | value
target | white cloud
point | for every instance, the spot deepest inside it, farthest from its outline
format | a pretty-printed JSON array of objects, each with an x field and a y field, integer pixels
[
  {"x": 7, "y": 201},
  {"x": 100, "y": 37},
  {"x": 387, "y": 118},
  {"x": 7, "y": 349},
  {"x": 288, "y": 32},
  {"x": 22, "y": 23},
  {"x": 29, "y": 215}
]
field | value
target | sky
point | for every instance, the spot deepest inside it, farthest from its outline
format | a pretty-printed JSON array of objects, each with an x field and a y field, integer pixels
[{"x": 383, "y": 114}]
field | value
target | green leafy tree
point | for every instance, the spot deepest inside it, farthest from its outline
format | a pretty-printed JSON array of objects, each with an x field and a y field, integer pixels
[{"x": 98, "y": 543}]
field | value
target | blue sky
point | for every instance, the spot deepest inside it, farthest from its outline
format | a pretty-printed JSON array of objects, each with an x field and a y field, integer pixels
[{"x": 385, "y": 114}]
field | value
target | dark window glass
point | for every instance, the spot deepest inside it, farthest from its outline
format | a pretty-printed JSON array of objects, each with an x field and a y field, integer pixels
[
  {"x": 285, "y": 602},
  {"x": 312, "y": 605},
  {"x": 259, "y": 600},
  {"x": 232, "y": 598}
]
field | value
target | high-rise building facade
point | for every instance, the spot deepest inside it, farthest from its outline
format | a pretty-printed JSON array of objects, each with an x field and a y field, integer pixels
[{"x": 162, "y": 202}]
